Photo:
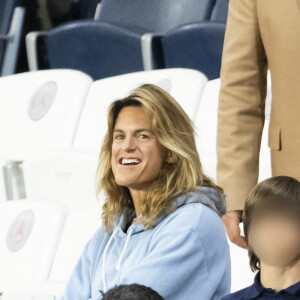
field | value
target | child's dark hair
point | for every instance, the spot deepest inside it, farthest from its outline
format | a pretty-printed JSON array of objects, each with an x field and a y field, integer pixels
[
  {"x": 281, "y": 194},
  {"x": 131, "y": 292}
]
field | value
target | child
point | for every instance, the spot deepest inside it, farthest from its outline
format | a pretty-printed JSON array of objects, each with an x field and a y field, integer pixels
[
  {"x": 272, "y": 232},
  {"x": 131, "y": 292}
]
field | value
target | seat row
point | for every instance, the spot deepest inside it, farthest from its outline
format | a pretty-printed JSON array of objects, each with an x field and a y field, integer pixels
[{"x": 51, "y": 131}]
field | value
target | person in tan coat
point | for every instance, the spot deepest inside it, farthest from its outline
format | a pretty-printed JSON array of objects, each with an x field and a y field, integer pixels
[{"x": 260, "y": 34}]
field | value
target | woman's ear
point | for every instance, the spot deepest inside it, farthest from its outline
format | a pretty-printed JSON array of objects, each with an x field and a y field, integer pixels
[{"x": 171, "y": 157}]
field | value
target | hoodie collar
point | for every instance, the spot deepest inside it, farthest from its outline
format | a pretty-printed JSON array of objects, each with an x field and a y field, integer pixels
[{"x": 204, "y": 195}]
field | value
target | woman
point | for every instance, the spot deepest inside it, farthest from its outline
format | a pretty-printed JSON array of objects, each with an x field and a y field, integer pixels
[{"x": 161, "y": 219}]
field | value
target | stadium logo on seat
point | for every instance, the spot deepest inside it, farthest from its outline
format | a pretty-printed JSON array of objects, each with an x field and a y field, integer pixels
[
  {"x": 20, "y": 230},
  {"x": 42, "y": 100}
]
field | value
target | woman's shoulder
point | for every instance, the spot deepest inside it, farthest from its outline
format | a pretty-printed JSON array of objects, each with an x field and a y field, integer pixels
[
  {"x": 194, "y": 217},
  {"x": 95, "y": 241}
]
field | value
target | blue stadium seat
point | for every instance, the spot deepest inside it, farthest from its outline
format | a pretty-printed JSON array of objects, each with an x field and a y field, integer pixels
[
  {"x": 125, "y": 38},
  {"x": 220, "y": 11},
  {"x": 155, "y": 15},
  {"x": 11, "y": 23},
  {"x": 98, "y": 49},
  {"x": 198, "y": 45}
]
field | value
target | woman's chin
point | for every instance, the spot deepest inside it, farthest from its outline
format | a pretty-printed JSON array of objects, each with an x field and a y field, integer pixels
[{"x": 126, "y": 182}]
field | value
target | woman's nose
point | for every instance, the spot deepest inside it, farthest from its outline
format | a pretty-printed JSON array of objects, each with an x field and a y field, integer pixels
[{"x": 129, "y": 143}]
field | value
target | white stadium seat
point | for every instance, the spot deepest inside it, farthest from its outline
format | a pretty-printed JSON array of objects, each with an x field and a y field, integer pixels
[
  {"x": 30, "y": 231},
  {"x": 185, "y": 85},
  {"x": 84, "y": 223},
  {"x": 206, "y": 128},
  {"x": 79, "y": 227},
  {"x": 66, "y": 177},
  {"x": 39, "y": 112}
]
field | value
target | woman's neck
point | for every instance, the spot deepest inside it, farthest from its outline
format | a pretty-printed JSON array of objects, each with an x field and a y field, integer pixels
[
  {"x": 279, "y": 277},
  {"x": 137, "y": 196}
]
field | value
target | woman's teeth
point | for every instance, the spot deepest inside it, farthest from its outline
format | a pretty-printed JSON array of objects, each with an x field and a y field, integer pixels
[{"x": 129, "y": 161}]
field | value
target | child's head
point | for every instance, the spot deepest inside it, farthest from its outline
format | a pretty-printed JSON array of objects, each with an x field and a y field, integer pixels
[
  {"x": 131, "y": 292},
  {"x": 272, "y": 222}
]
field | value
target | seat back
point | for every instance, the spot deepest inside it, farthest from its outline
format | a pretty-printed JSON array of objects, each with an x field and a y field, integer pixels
[
  {"x": 29, "y": 234},
  {"x": 241, "y": 274},
  {"x": 98, "y": 49},
  {"x": 12, "y": 16},
  {"x": 206, "y": 127},
  {"x": 184, "y": 85},
  {"x": 65, "y": 177},
  {"x": 197, "y": 46},
  {"x": 155, "y": 15},
  {"x": 6, "y": 12},
  {"x": 84, "y": 223},
  {"x": 79, "y": 227},
  {"x": 220, "y": 11},
  {"x": 39, "y": 111}
]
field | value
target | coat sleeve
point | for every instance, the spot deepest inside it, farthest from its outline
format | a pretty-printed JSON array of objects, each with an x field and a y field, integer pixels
[{"x": 241, "y": 103}]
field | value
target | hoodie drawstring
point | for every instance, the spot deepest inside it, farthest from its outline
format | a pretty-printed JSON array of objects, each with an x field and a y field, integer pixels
[
  {"x": 118, "y": 265},
  {"x": 103, "y": 261}
]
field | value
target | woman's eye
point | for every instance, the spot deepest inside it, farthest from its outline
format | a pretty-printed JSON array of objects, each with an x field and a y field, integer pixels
[
  {"x": 143, "y": 136},
  {"x": 118, "y": 137}
]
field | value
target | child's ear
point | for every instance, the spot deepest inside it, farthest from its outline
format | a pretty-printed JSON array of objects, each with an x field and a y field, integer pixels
[{"x": 171, "y": 157}]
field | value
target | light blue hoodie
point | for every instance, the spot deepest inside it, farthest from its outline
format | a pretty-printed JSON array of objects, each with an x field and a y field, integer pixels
[{"x": 185, "y": 256}]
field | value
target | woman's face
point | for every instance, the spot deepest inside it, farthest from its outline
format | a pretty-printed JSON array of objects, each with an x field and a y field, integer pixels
[{"x": 137, "y": 157}]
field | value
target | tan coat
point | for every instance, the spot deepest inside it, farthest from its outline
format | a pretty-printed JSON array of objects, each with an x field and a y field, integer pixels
[{"x": 259, "y": 34}]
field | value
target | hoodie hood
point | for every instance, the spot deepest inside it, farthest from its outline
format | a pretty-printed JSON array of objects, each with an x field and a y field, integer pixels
[{"x": 207, "y": 196}]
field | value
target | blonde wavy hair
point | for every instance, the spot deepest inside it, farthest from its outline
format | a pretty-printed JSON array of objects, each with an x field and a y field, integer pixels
[{"x": 175, "y": 132}]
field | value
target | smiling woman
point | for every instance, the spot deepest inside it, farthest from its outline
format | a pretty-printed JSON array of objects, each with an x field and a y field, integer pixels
[
  {"x": 161, "y": 218},
  {"x": 151, "y": 126}
]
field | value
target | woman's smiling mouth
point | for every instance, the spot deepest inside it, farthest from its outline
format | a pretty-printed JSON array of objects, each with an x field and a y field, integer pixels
[{"x": 129, "y": 161}]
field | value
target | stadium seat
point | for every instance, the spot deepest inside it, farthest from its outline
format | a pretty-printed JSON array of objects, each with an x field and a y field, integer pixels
[
  {"x": 39, "y": 112},
  {"x": 220, "y": 11},
  {"x": 198, "y": 45},
  {"x": 29, "y": 234},
  {"x": 206, "y": 128},
  {"x": 241, "y": 274},
  {"x": 206, "y": 124},
  {"x": 84, "y": 223},
  {"x": 125, "y": 38},
  {"x": 186, "y": 86},
  {"x": 12, "y": 15},
  {"x": 66, "y": 177}
]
